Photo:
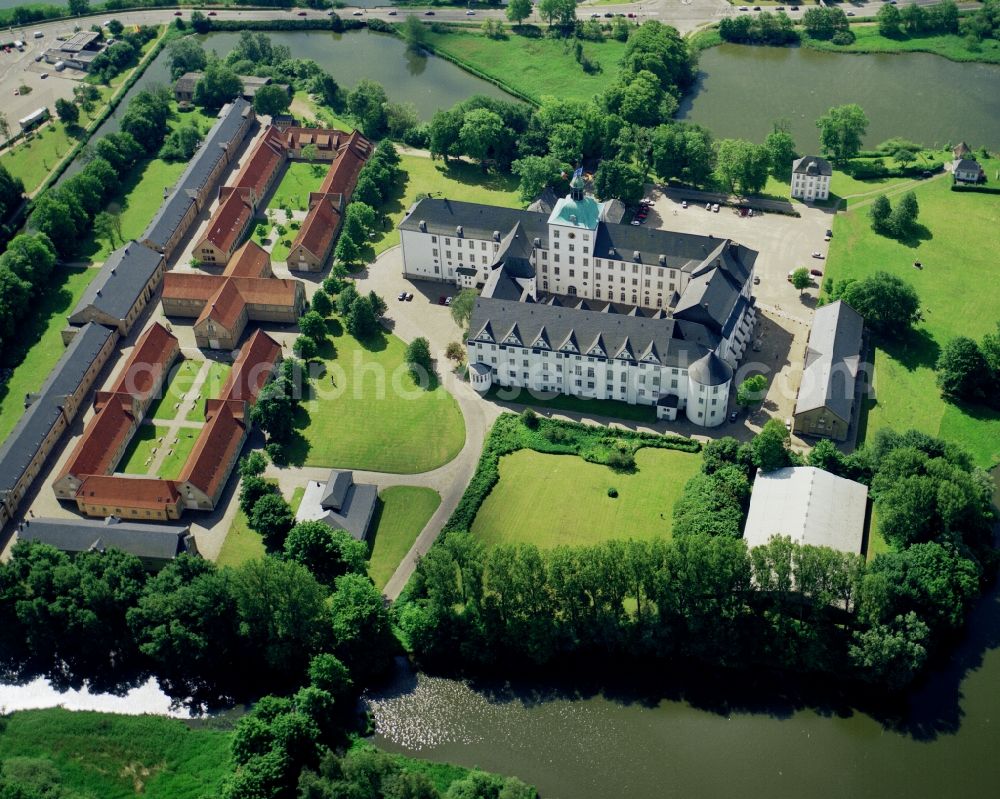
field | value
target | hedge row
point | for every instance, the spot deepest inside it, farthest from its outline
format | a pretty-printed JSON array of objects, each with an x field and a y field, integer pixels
[
  {"x": 512, "y": 432},
  {"x": 979, "y": 189}
]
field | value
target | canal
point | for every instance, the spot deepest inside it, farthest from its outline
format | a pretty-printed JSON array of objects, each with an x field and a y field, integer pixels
[{"x": 741, "y": 90}]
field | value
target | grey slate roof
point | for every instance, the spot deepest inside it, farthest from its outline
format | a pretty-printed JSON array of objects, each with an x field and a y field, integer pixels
[
  {"x": 220, "y": 138},
  {"x": 478, "y": 221},
  {"x": 64, "y": 380},
  {"x": 152, "y": 541},
  {"x": 617, "y": 333},
  {"x": 336, "y": 490},
  {"x": 710, "y": 370},
  {"x": 355, "y": 505},
  {"x": 120, "y": 282},
  {"x": 833, "y": 355},
  {"x": 812, "y": 165},
  {"x": 965, "y": 165}
]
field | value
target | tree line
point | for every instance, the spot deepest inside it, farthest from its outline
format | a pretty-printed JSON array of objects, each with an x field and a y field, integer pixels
[{"x": 705, "y": 597}]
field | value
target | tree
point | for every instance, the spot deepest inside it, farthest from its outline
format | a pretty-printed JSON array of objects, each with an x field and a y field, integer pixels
[
  {"x": 904, "y": 215},
  {"x": 272, "y": 518},
  {"x": 252, "y": 465},
  {"x": 518, "y": 11},
  {"x": 186, "y": 55},
  {"x": 480, "y": 133},
  {"x": 367, "y": 104},
  {"x": 841, "y": 130},
  {"x": 217, "y": 86},
  {"x": 751, "y": 391},
  {"x": 801, "y": 279},
  {"x": 825, "y": 22},
  {"x": 305, "y": 347},
  {"x": 78, "y": 7},
  {"x": 891, "y": 655},
  {"x": 312, "y": 324},
  {"x": 4, "y": 127},
  {"x": 252, "y": 488},
  {"x": 361, "y": 320},
  {"x": 770, "y": 446},
  {"x": 274, "y": 411},
  {"x": 562, "y": 12},
  {"x": 418, "y": 356},
  {"x": 414, "y": 32},
  {"x": 378, "y": 304},
  {"x": 67, "y": 112},
  {"x": 181, "y": 144},
  {"x": 455, "y": 351},
  {"x": 115, "y": 27},
  {"x": 743, "y": 165},
  {"x": 200, "y": 22},
  {"x": 889, "y": 21},
  {"x": 462, "y": 305},
  {"x": 321, "y": 303},
  {"x": 108, "y": 226},
  {"x": 880, "y": 211},
  {"x": 326, "y": 552},
  {"x": 963, "y": 373},
  {"x": 781, "y": 149},
  {"x": 888, "y": 304},
  {"x": 621, "y": 180},
  {"x": 361, "y": 626},
  {"x": 536, "y": 172},
  {"x": 271, "y": 100}
]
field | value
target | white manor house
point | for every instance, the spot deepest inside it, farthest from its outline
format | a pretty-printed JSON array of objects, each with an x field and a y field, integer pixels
[{"x": 573, "y": 303}]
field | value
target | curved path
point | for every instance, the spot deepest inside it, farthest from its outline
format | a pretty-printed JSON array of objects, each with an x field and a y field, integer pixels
[{"x": 420, "y": 317}]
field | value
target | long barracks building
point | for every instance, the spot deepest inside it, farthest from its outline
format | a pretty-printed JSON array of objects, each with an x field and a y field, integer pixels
[{"x": 575, "y": 304}]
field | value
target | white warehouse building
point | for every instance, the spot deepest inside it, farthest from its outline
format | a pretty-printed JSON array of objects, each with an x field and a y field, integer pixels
[{"x": 575, "y": 304}]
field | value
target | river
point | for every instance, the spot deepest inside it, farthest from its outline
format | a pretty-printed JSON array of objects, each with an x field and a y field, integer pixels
[{"x": 742, "y": 90}]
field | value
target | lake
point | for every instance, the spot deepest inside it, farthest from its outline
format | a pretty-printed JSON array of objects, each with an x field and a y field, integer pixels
[
  {"x": 741, "y": 90},
  {"x": 598, "y": 747}
]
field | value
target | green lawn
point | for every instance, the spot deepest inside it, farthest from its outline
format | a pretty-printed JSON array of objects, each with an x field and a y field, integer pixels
[
  {"x": 39, "y": 343},
  {"x": 173, "y": 462},
  {"x": 533, "y": 67},
  {"x": 366, "y": 412},
  {"x": 281, "y": 248},
  {"x": 211, "y": 388},
  {"x": 456, "y": 180},
  {"x": 404, "y": 512},
  {"x": 551, "y": 500},
  {"x": 114, "y": 756},
  {"x": 588, "y": 407},
  {"x": 242, "y": 543},
  {"x": 300, "y": 179},
  {"x": 957, "y": 287},
  {"x": 140, "y": 449},
  {"x": 869, "y": 40},
  {"x": 181, "y": 378}
]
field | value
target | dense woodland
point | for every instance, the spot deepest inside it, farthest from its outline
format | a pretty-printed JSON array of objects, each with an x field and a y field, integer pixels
[{"x": 704, "y": 597}]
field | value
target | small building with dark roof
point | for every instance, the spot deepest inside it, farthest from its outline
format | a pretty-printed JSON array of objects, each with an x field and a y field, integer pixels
[
  {"x": 154, "y": 544},
  {"x": 811, "y": 178},
  {"x": 49, "y": 412},
  {"x": 967, "y": 170},
  {"x": 825, "y": 403},
  {"x": 185, "y": 85},
  {"x": 340, "y": 503},
  {"x": 122, "y": 288}
]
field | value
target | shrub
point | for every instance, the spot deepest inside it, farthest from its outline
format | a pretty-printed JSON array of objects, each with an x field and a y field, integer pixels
[
  {"x": 529, "y": 418},
  {"x": 843, "y": 38},
  {"x": 613, "y": 493}
]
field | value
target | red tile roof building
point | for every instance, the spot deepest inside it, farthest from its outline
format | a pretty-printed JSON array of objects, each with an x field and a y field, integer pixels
[
  {"x": 222, "y": 305},
  {"x": 314, "y": 241},
  {"x": 99, "y": 492}
]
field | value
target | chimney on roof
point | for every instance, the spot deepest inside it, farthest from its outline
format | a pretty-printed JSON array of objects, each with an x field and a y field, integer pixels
[
  {"x": 635, "y": 255},
  {"x": 538, "y": 242},
  {"x": 572, "y": 218},
  {"x": 663, "y": 259},
  {"x": 422, "y": 225},
  {"x": 458, "y": 230}
]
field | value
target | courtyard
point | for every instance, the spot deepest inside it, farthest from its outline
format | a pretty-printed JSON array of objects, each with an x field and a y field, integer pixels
[{"x": 555, "y": 500}]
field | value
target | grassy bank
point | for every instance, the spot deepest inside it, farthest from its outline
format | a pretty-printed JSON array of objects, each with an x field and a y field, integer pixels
[
  {"x": 113, "y": 756},
  {"x": 40, "y": 342},
  {"x": 242, "y": 543},
  {"x": 867, "y": 39},
  {"x": 403, "y": 513},
  {"x": 957, "y": 248},
  {"x": 553, "y": 500},
  {"x": 529, "y": 66}
]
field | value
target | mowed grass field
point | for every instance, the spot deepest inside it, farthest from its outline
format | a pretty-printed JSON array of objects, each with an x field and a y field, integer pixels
[
  {"x": 535, "y": 67},
  {"x": 180, "y": 382},
  {"x": 300, "y": 179},
  {"x": 404, "y": 512},
  {"x": 40, "y": 342},
  {"x": 553, "y": 500},
  {"x": 218, "y": 372},
  {"x": 242, "y": 543},
  {"x": 959, "y": 296},
  {"x": 367, "y": 412},
  {"x": 867, "y": 39},
  {"x": 455, "y": 180},
  {"x": 114, "y": 756}
]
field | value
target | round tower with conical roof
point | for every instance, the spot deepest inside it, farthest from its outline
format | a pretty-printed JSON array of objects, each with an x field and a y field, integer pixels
[{"x": 709, "y": 379}]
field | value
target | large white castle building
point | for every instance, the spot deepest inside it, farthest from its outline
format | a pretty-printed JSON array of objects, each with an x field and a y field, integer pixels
[{"x": 575, "y": 303}]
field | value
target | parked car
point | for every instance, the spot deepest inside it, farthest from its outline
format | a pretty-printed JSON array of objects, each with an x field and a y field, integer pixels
[
  {"x": 794, "y": 8},
  {"x": 756, "y": 8},
  {"x": 733, "y": 416},
  {"x": 684, "y": 204},
  {"x": 469, "y": 13},
  {"x": 744, "y": 8},
  {"x": 177, "y": 13},
  {"x": 608, "y": 14},
  {"x": 636, "y": 222},
  {"x": 409, "y": 296},
  {"x": 401, "y": 296},
  {"x": 818, "y": 255},
  {"x": 595, "y": 16},
  {"x": 212, "y": 14},
  {"x": 829, "y": 233},
  {"x": 39, "y": 57},
  {"x": 816, "y": 272},
  {"x": 850, "y": 13},
  {"x": 447, "y": 301},
  {"x": 715, "y": 208},
  {"x": 630, "y": 16},
  {"x": 302, "y": 13},
  {"x": 356, "y": 13},
  {"x": 442, "y": 299},
  {"x": 428, "y": 13},
  {"x": 788, "y": 424},
  {"x": 708, "y": 206},
  {"x": 44, "y": 75},
  {"x": 392, "y": 12}
]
